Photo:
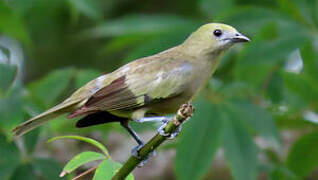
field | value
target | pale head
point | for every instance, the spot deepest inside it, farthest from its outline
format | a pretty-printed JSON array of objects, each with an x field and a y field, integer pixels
[{"x": 214, "y": 38}]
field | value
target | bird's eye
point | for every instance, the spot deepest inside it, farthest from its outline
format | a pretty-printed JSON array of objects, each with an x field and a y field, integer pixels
[{"x": 217, "y": 33}]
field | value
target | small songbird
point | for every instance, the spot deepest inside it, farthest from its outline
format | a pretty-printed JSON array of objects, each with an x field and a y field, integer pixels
[{"x": 149, "y": 88}]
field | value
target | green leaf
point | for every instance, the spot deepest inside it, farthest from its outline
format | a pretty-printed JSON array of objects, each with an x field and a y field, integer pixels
[
  {"x": 84, "y": 76},
  {"x": 282, "y": 173},
  {"x": 10, "y": 158},
  {"x": 275, "y": 87},
  {"x": 85, "y": 139},
  {"x": 301, "y": 84},
  {"x": 255, "y": 117},
  {"x": 48, "y": 89},
  {"x": 310, "y": 56},
  {"x": 48, "y": 169},
  {"x": 11, "y": 110},
  {"x": 90, "y": 8},
  {"x": 308, "y": 10},
  {"x": 11, "y": 24},
  {"x": 30, "y": 140},
  {"x": 214, "y": 7},
  {"x": 107, "y": 169},
  {"x": 270, "y": 54},
  {"x": 7, "y": 73},
  {"x": 270, "y": 51},
  {"x": 290, "y": 8},
  {"x": 140, "y": 24},
  {"x": 80, "y": 160},
  {"x": 198, "y": 142},
  {"x": 240, "y": 150},
  {"x": 25, "y": 172},
  {"x": 302, "y": 158}
]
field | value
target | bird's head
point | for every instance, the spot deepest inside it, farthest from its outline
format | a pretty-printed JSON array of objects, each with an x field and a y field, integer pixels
[{"x": 214, "y": 38}]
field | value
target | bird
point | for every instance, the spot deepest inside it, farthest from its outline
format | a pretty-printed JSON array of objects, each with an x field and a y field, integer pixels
[{"x": 147, "y": 89}]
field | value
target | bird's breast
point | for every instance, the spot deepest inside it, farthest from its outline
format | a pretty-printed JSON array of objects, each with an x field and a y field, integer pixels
[{"x": 195, "y": 82}]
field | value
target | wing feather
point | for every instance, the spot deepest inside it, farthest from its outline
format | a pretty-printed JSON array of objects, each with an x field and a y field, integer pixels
[{"x": 139, "y": 88}]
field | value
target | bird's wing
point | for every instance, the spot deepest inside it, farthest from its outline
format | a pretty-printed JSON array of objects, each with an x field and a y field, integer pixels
[{"x": 140, "y": 86}]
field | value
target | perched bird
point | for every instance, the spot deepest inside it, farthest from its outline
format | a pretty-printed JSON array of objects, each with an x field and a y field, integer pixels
[{"x": 149, "y": 88}]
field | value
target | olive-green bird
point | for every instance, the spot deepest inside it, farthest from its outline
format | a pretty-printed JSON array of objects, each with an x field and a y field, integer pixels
[{"x": 149, "y": 88}]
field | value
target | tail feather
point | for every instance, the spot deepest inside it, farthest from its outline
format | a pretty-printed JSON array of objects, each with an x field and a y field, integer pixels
[{"x": 43, "y": 118}]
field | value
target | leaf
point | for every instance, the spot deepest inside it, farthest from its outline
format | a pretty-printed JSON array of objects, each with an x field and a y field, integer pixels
[
  {"x": 302, "y": 85},
  {"x": 214, "y": 7},
  {"x": 199, "y": 141},
  {"x": 25, "y": 172},
  {"x": 11, "y": 24},
  {"x": 80, "y": 160},
  {"x": 85, "y": 139},
  {"x": 10, "y": 158},
  {"x": 290, "y": 8},
  {"x": 48, "y": 169},
  {"x": 84, "y": 76},
  {"x": 11, "y": 110},
  {"x": 310, "y": 56},
  {"x": 107, "y": 169},
  {"x": 87, "y": 7},
  {"x": 308, "y": 10},
  {"x": 275, "y": 87},
  {"x": 270, "y": 53},
  {"x": 7, "y": 73},
  {"x": 282, "y": 173},
  {"x": 240, "y": 150},
  {"x": 290, "y": 121},
  {"x": 255, "y": 117},
  {"x": 302, "y": 158},
  {"x": 30, "y": 140},
  {"x": 139, "y": 24},
  {"x": 48, "y": 89}
]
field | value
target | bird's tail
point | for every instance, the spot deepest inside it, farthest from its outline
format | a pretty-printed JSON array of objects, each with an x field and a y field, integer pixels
[{"x": 43, "y": 118}]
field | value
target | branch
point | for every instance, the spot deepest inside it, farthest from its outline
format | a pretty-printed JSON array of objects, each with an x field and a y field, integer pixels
[
  {"x": 184, "y": 112},
  {"x": 85, "y": 173}
]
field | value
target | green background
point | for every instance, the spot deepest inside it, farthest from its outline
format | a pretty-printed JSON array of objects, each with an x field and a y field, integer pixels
[{"x": 257, "y": 118}]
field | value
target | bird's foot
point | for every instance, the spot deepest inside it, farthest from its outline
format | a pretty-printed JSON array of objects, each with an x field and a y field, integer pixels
[
  {"x": 172, "y": 135},
  {"x": 153, "y": 119},
  {"x": 186, "y": 111},
  {"x": 135, "y": 152}
]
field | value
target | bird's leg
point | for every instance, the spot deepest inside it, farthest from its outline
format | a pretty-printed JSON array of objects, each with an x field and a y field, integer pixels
[
  {"x": 126, "y": 125},
  {"x": 161, "y": 131},
  {"x": 135, "y": 151},
  {"x": 174, "y": 134},
  {"x": 162, "y": 119}
]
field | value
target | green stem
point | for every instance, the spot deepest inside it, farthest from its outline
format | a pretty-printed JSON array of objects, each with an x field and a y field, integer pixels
[{"x": 184, "y": 113}]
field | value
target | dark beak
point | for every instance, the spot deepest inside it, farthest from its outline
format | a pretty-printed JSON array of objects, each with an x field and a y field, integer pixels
[{"x": 238, "y": 38}]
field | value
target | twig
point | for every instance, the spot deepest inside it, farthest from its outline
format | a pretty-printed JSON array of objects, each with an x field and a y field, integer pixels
[
  {"x": 184, "y": 112},
  {"x": 85, "y": 173}
]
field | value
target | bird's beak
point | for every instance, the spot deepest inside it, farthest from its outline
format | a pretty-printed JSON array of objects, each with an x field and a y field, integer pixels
[{"x": 238, "y": 38}]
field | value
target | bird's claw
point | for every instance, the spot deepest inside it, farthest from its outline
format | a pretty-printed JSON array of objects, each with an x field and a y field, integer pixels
[
  {"x": 135, "y": 152},
  {"x": 161, "y": 131}
]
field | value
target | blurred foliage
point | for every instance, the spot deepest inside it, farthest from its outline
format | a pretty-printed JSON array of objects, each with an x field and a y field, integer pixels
[
  {"x": 106, "y": 169},
  {"x": 260, "y": 89}
]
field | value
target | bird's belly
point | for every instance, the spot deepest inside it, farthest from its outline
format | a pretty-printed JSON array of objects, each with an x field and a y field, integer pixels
[
  {"x": 162, "y": 108},
  {"x": 168, "y": 106},
  {"x": 171, "y": 105}
]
